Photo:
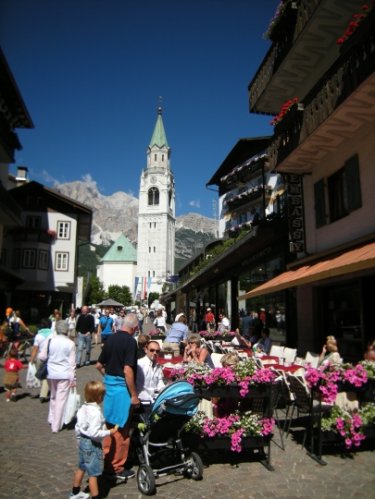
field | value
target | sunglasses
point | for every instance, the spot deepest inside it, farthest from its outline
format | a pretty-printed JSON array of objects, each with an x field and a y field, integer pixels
[{"x": 153, "y": 350}]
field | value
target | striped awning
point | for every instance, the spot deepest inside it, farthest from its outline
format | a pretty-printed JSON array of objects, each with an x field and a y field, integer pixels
[{"x": 360, "y": 258}]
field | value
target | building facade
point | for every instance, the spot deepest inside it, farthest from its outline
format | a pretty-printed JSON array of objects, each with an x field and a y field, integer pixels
[
  {"x": 43, "y": 249},
  {"x": 119, "y": 265},
  {"x": 323, "y": 143},
  {"x": 156, "y": 219}
]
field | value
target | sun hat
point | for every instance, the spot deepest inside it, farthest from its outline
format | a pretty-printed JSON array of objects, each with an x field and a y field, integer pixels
[{"x": 178, "y": 316}]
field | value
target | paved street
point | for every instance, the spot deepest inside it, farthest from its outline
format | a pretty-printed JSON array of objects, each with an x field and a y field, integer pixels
[{"x": 36, "y": 463}]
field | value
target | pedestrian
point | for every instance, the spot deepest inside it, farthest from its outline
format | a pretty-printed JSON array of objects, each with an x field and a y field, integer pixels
[
  {"x": 59, "y": 352},
  {"x": 106, "y": 325},
  {"x": 90, "y": 431},
  {"x": 85, "y": 326},
  {"x": 43, "y": 334},
  {"x": 117, "y": 362},
  {"x": 12, "y": 366},
  {"x": 71, "y": 321}
]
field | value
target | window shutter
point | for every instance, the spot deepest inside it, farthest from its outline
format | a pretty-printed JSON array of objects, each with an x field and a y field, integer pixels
[
  {"x": 353, "y": 184},
  {"x": 320, "y": 204}
]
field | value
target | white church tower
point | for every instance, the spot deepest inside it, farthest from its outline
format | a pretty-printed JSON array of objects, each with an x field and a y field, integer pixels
[{"x": 156, "y": 218}]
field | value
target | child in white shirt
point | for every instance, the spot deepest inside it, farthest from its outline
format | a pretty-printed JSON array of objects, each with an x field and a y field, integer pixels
[{"x": 90, "y": 431}]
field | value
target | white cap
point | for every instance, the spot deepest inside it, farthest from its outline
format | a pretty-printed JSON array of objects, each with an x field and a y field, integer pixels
[{"x": 178, "y": 316}]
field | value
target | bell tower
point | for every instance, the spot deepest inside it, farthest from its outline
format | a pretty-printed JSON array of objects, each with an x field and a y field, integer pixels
[{"x": 156, "y": 218}]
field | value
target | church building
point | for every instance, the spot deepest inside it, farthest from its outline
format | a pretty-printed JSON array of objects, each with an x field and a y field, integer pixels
[{"x": 156, "y": 218}]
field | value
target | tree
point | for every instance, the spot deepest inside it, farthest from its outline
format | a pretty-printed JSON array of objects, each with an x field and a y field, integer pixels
[
  {"x": 151, "y": 297},
  {"x": 95, "y": 293},
  {"x": 120, "y": 293}
]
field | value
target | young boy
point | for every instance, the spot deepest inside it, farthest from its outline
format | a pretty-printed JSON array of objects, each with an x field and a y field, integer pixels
[{"x": 90, "y": 431}]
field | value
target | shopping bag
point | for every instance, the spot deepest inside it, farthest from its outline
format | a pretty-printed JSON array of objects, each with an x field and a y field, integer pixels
[
  {"x": 31, "y": 380},
  {"x": 72, "y": 405}
]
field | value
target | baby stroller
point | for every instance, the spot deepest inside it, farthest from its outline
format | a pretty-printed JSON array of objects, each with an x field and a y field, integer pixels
[{"x": 157, "y": 437}]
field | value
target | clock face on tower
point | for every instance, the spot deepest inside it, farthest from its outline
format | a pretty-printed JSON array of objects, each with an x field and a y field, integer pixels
[{"x": 153, "y": 180}]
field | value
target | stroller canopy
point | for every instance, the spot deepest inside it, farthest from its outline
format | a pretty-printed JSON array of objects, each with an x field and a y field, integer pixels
[{"x": 177, "y": 398}]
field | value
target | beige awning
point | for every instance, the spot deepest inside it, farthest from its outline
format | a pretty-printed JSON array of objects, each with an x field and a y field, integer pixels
[{"x": 361, "y": 258}]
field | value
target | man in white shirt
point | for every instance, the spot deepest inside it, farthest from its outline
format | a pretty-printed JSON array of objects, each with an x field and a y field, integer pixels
[{"x": 149, "y": 380}]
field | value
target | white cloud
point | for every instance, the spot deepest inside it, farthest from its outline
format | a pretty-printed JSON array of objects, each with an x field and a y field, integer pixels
[
  {"x": 49, "y": 179},
  {"x": 195, "y": 203}
]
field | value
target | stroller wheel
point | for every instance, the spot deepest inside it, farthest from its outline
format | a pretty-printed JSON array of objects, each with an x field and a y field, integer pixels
[
  {"x": 194, "y": 467},
  {"x": 146, "y": 480}
]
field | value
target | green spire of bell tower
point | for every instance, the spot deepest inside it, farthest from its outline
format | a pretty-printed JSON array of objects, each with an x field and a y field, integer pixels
[{"x": 159, "y": 137}]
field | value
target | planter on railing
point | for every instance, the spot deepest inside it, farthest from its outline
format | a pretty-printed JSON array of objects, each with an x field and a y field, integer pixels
[
  {"x": 291, "y": 118},
  {"x": 357, "y": 29}
]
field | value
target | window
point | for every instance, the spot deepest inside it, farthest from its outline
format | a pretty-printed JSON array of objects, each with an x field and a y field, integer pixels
[
  {"x": 154, "y": 225},
  {"x": 153, "y": 196},
  {"x": 16, "y": 258},
  {"x": 155, "y": 157},
  {"x": 344, "y": 193},
  {"x": 33, "y": 221},
  {"x": 63, "y": 230},
  {"x": 154, "y": 249},
  {"x": 61, "y": 261},
  {"x": 149, "y": 274},
  {"x": 149, "y": 249},
  {"x": 153, "y": 273},
  {"x": 28, "y": 258},
  {"x": 43, "y": 260},
  {"x": 320, "y": 204}
]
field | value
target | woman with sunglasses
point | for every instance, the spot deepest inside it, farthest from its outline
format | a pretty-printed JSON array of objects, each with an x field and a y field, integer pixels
[{"x": 196, "y": 352}]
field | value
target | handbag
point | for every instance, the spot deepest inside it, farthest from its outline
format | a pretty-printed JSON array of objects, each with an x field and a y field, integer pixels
[
  {"x": 42, "y": 371},
  {"x": 72, "y": 405}
]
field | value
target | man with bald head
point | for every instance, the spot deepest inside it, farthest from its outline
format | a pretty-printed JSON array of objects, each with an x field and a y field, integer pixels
[
  {"x": 85, "y": 327},
  {"x": 118, "y": 364}
]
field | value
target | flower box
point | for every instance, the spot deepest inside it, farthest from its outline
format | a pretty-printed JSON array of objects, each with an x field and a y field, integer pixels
[
  {"x": 196, "y": 442},
  {"x": 232, "y": 391},
  {"x": 364, "y": 26},
  {"x": 290, "y": 118}
]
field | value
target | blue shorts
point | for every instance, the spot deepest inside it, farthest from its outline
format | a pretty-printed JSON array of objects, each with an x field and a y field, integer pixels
[{"x": 90, "y": 456}]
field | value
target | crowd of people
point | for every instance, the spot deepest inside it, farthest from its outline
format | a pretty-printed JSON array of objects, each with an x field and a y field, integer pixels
[{"x": 131, "y": 374}]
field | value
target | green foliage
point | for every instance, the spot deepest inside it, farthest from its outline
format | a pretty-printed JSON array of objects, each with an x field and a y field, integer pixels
[
  {"x": 95, "y": 290},
  {"x": 119, "y": 293},
  {"x": 151, "y": 297},
  {"x": 217, "y": 251}
]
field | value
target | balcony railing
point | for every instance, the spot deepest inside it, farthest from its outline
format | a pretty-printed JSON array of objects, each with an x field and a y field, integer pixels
[
  {"x": 32, "y": 235},
  {"x": 342, "y": 79},
  {"x": 296, "y": 20}
]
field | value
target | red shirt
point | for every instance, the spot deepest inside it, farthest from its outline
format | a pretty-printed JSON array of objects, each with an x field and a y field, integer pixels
[
  {"x": 209, "y": 317},
  {"x": 13, "y": 365}
]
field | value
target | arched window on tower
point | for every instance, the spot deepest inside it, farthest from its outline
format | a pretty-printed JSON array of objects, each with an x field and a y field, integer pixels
[{"x": 153, "y": 196}]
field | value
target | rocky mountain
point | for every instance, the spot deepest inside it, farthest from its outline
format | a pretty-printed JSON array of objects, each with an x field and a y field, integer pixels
[{"x": 119, "y": 213}]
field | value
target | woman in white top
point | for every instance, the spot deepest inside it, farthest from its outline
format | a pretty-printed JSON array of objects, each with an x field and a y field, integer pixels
[
  {"x": 159, "y": 322},
  {"x": 59, "y": 351}
]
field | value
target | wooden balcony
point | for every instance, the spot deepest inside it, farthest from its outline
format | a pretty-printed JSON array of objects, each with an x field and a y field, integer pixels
[
  {"x": 339, "y": 104},
  {"x": 294, "y": 63}
]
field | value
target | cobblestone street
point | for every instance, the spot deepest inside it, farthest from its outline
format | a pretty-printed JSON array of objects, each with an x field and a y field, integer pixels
[{"x": 36, "y": 463}]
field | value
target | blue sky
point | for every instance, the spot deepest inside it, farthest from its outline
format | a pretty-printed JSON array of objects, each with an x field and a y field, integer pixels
[{"x": 91, "y": 72}]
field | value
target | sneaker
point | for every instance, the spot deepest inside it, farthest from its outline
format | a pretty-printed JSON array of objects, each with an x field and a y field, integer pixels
[
  {"x": 121, "y": 476},
  {"x": 80, "y": 495}
]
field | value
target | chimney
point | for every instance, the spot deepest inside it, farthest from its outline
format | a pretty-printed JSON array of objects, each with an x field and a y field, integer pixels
[{"x": 22, "y": 174}]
